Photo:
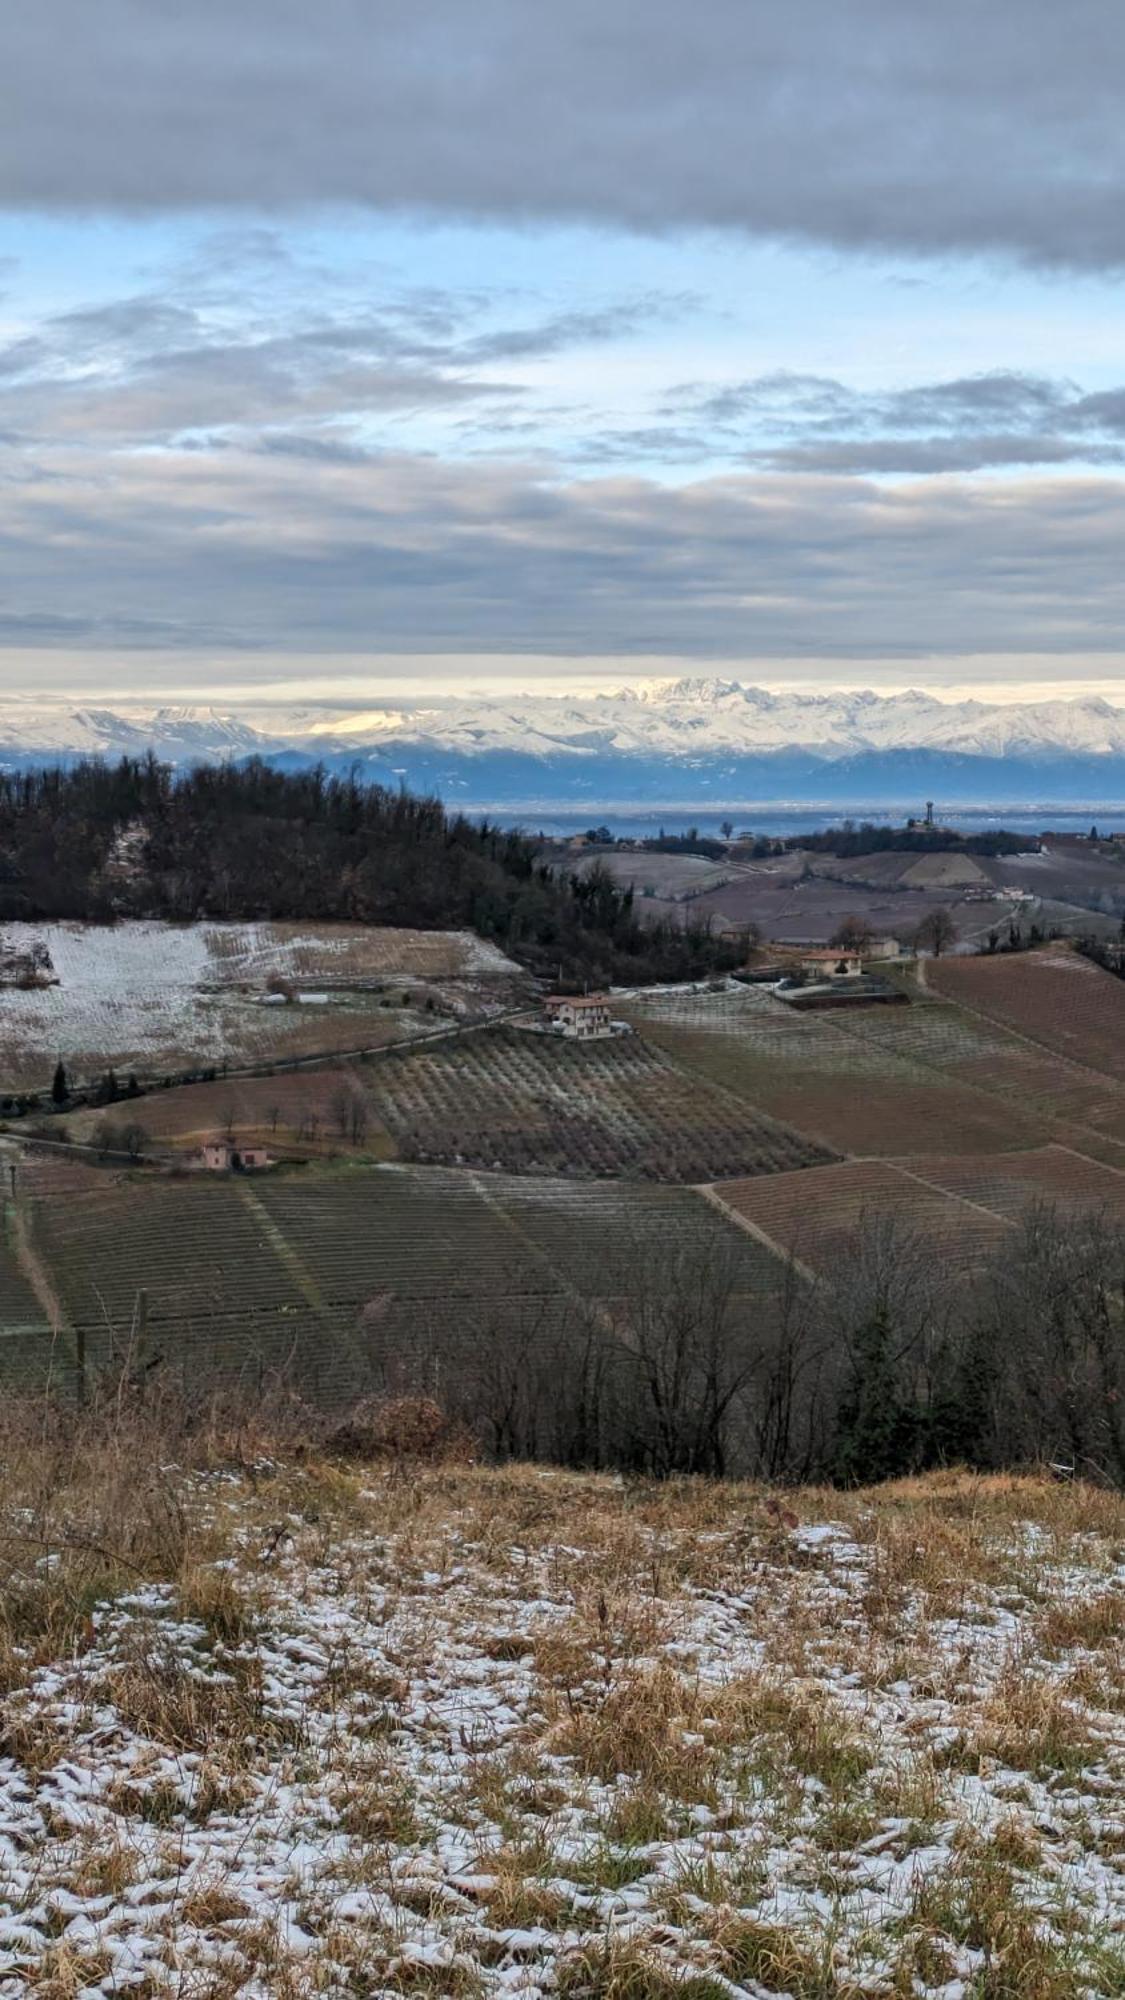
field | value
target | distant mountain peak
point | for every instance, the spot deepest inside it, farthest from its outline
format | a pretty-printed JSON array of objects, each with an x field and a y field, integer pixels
[{"x": 686, "y": 736}]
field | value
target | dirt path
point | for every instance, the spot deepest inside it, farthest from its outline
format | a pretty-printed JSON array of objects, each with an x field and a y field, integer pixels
[{"x": 755, "y": 1230}]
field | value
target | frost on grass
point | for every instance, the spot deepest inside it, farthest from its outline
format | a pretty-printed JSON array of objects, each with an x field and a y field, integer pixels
[{"x": 463, "y": 1732}]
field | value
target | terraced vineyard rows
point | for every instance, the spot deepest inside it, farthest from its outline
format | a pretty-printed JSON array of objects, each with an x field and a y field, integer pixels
[
  {"x": 365, "y": 1234},
  {"x": 972, "y": 1051},
  {"x": 846, "y": 1088},
  {"x": 328, "y": 1270},
  {"x": 596, "y": 1236},
  {"x": 1054, "y": 997},
  {"x": 195, "y": 1248},
  {"x": 1009, "y": 1183},
  {"x": 815, "y": 1216},
  {"x": 521, "y": 1102}
]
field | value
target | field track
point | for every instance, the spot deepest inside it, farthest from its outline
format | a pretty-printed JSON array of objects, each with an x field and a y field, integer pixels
[
  {"x": 838, "y": 1078},
  {"x": 324, "y": 1264},
  {"x": 961, "y": 1207}
]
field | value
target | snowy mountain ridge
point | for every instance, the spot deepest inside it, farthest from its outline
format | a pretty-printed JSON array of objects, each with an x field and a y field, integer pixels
[{"x": 689, "y": 717}]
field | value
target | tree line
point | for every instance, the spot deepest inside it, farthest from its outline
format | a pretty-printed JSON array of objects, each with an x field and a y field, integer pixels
[
  {"x": 892, "y": 1367},
  {"x": 98, "y": 841}
]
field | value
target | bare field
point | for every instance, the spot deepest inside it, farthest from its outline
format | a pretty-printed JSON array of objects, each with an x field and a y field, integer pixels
[
  {"x": 469, "y": 1734},
  {"x": 787, "y": 907},
  {"x": 836, "y": 1082},
  {"x": 814, "y": 1216},
  {"x": 310, "y": 1111},
  {"x": 530, "y": 1103},
  {"x": 670, "y": 877},
  {"x": 961, "y": 1207},
  {"x": 159, "y": 998},
  {"x": 1054, "y": 997}
]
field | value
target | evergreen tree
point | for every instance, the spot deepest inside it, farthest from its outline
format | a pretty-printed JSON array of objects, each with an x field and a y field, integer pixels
[
  {"x": 60, "y": 1089},
  {"x": 876, "y": 1428}
]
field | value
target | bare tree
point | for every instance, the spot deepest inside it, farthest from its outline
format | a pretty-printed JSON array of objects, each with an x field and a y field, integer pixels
[
  {"x": 852, "y": 933},
  {"x": 936, "y": 932},
  {"x": 1053, "y": 1318}
]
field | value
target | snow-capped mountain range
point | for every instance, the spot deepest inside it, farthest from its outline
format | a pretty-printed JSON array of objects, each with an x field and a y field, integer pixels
[{"x": 699, "y": 737}]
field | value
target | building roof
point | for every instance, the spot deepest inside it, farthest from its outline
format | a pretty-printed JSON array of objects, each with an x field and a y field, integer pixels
[{"x": 578, "y": 1000}]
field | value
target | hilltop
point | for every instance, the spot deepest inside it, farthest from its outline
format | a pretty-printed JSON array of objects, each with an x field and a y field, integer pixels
[
  {"x": 135, "y": 839},
  {"x": 278, "y": 1720}
]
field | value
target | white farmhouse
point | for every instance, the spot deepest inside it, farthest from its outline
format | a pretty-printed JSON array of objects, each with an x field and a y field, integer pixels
[{"x": 580, "y": 1016}]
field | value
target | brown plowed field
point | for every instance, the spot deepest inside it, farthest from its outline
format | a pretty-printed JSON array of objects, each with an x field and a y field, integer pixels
[
  {"x": 815, "y": 1215},
  {"x": 1054, "y": 997},
  {"x": 963, "y": 1206},
  {"x": 305, "y": 1111},
  {"x": 838, "y": 1079},
  {"x": 1010, "y": 1183}
]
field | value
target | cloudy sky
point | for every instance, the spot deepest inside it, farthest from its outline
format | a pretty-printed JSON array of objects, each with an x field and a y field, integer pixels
[{"x": 383, "y": 346}]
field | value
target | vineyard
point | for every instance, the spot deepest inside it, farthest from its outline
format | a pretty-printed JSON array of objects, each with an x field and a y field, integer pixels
[
  {"x": 326, "y": 1269},
  {"x": 960, "y": 1207},
  {"x": 160, "y": 998},
  {"x": 19, "y": 1307},
  {"x": 1010, "y": 1183},
  {"x": 972, "y": 1051},
  {"x": 815, "y": 1217},
  {"x": 1054, "y": 997},
  {"x": 841, "y": 1080},
  {"x": 520, "y": 1102}
]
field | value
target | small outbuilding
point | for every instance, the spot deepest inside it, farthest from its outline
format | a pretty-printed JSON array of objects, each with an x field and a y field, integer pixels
[
  {"x": 832, "y": 964},
  {"x": 582, "y": 1017},
  {"x": 224, "y": 1156}
]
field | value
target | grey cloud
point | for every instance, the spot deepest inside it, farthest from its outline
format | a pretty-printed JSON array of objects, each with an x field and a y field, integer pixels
[
  {"x": 577, "y": 329},
  {"x": 813, "y": 423},
  {"x": 886, "y": 455},
  {"x": 302, "y": 553},
  {"x": 152, "y": 367},
  {"x": 883, "y": 123}
]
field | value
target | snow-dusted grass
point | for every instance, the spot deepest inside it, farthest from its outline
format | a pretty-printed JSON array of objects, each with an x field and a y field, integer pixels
[
  {"x": 157, "y": 996},
  {"x": 284, "y": 1727}
]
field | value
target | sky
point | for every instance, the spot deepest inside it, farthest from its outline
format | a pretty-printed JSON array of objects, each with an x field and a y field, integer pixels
[{"x": 397, "y": 347}]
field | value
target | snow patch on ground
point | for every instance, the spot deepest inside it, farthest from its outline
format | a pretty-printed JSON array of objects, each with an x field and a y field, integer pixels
[{"x": 405, "y": 1757}]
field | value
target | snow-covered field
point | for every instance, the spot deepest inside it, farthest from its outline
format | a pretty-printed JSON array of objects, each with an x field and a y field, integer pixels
[
  {"x": 157, "y": 995},
  {"x": 466, "y": 1732}
]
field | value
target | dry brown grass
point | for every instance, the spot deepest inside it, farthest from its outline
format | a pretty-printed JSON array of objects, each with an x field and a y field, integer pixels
[
  {"x": 1030, "y": 1723},
  {"x": 817, "y": 1731}
]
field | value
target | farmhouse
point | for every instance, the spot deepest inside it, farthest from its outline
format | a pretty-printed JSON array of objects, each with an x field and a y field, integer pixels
[
  {"x": 581, "y": 1016},
  {"x": 881, "y": 948},
  {"x": 832, "y": 964},
  {"x": 222, "y": 1156}
]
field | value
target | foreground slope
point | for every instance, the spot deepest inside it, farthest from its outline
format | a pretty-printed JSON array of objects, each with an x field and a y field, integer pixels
[{"x": 457, "y": 1732}]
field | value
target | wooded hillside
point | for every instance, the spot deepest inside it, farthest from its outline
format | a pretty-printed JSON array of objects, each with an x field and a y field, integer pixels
[{"x": 135, "y": 838}]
